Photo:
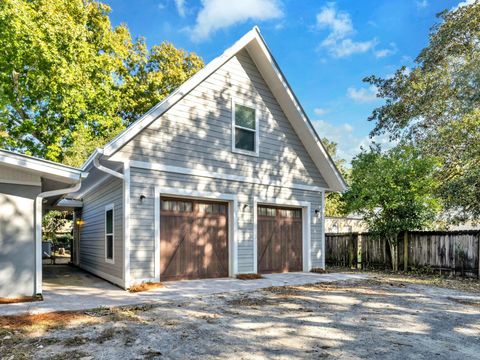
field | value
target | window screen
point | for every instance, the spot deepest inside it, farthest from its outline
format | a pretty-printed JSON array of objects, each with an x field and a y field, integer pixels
[{"x": 245, "y": 128}]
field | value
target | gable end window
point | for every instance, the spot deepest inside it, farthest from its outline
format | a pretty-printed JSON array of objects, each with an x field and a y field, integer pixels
[
  {"x": 109, "y": 233},
  {"x": 244, "y": 129}
]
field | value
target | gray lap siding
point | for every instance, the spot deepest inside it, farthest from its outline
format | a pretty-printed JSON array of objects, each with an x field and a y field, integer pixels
[
  {"x": 142, "y": 214},
  {"x": 92, "y": 231},
  {"x": 197, "y": 131}
]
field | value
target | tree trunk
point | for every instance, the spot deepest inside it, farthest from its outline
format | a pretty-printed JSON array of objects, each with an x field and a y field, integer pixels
[{"x": 394, "y": 253}]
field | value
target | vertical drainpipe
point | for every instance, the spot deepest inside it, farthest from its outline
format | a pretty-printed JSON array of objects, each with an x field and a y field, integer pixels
[{"x": 38, "y": 229}]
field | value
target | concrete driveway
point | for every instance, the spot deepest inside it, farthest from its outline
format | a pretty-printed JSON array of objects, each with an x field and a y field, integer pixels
[{"x": 68, "y": 288}]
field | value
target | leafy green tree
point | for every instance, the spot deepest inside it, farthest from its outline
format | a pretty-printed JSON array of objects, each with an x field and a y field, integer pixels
[
  {"x": 393, "y": 191},
  {"x": 69, "y": 81},
  {"x": 333, "y": 201},
  {"x": 436, "y": 106},
  {"x": 52, "y": 223}
]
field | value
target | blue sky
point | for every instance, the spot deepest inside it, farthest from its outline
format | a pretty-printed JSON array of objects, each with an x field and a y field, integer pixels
[{"x": 325, "y": 49}]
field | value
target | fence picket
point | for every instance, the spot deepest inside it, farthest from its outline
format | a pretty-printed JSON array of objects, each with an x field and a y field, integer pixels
[{"x": 439, "y": 250}]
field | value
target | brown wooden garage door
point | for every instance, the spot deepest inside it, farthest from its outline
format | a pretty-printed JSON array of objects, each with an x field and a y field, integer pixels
[
  {"x": 279, "y": 239},
  {"x": 193, "y": 239}
]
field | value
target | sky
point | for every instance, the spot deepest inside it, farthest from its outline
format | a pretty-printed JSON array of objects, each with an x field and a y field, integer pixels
[{"x": 324, "y": 48}]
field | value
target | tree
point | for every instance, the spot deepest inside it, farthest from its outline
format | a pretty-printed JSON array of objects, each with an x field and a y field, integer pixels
[
  {"x": 69, "y": 81},
  {"x": 333, "y": 200},
  {"x": 52, "y": 223},
  {"x": 393, "y": 191},
  {"x": 435, "y": 107}
]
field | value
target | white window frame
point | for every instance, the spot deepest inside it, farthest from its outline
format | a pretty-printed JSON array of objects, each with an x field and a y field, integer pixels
[
  {"x": 257, "y": 137},
  {"x": 107, "y": 208}
]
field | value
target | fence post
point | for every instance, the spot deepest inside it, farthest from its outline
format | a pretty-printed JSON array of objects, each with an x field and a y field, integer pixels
[
  {"x": 405, "y": 251},
  {"x": 454, "y": 265},
  {"x": 351, "y": 250},
  {"x": 359, "y": 251},
  {"x": 478, "y": 242}
]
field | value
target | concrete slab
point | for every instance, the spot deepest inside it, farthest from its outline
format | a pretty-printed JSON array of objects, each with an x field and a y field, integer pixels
[{"x": 72, "y": 289}]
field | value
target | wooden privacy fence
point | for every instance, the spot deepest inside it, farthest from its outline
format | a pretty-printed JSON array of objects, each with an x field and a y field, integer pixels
[{"x": 456, "y": 252}]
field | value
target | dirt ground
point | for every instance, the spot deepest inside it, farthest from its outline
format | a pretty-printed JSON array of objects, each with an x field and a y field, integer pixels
[{"x": 385, "y": 316}]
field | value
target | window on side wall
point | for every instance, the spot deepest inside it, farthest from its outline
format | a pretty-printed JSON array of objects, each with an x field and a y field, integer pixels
[
  {"x": 109, "y": 233},
  {"x": 244, "y": 129}
]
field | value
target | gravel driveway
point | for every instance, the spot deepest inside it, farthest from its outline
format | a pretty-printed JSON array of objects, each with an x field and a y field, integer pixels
[{"x": 376, "y": 318}]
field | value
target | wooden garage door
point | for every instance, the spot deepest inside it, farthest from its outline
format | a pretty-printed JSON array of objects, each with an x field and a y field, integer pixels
[
  {"x": 279, "y": 239},
  {"x": 193, "y": 239}
]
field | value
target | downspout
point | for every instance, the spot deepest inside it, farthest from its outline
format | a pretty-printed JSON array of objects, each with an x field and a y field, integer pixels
[
  {"x": 104, "y": 169},
  {"x": 38, "y": 229}
]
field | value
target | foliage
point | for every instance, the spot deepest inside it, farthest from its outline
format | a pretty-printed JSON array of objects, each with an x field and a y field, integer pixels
[
  {"x": 333, "y": 200},
  {"x": 52, "y": 223},
  {"x": 69, "y": 81},
  {"x": 393, "y": 191},
  {"x": 436, "y": 105}
]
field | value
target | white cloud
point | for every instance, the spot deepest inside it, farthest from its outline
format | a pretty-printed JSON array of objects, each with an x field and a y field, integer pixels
[
  {"x": 345, "y": 135},
  {"x": 338, "y": 42},
  {"x": 363, "y": 95},
  {"x": 464, "y": 3},
  {"x": 180, "y": 5},
  {"x": 347, "y": 47},
  {"x": 219, "y": 14},
  {"x": 320, "y": 111},
  {"x": 339, "y": 23},
  {"x": 421, "y": 4},
  {"x": 161, "y": 6},
  {"x": 386, "y": 52}
]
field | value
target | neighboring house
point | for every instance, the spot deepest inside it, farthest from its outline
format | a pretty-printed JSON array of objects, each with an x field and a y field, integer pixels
[
  {"x": 225, "y": 176},
  {"x": 347, "y": 224},
  {"x": 28, "y": 186}
]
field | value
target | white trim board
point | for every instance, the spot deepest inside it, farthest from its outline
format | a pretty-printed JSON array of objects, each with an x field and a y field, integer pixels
[
  {"x": 254, "y": 107},
  {"x": 216, "y": 175},
  {"x": 211, "y": 196},
  {"x": 21, "y": 182},
  {"x": 109, "y": 207},
  {"x": 126, "y": 225},
  {"x": 46, "y": 168},
  {"x": 306, "y": 228}
]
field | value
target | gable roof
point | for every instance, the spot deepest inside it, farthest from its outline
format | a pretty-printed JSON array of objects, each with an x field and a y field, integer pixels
[
  {"x": 255, "y": 45},
  {"x": 42, "y": 167}
]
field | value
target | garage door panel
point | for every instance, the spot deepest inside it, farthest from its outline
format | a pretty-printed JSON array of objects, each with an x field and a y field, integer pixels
[
  {"x": 194, "y": 239},
  {"x": 279, "y": 239}
]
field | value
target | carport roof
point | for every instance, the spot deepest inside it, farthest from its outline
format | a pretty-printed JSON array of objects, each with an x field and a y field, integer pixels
[{"x": 44, "y": 168}]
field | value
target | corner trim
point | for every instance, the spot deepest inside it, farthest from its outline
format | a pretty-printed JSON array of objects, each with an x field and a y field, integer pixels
[
  {"x": 126, "y": 225},
  {"x": 322, "y": 231}
]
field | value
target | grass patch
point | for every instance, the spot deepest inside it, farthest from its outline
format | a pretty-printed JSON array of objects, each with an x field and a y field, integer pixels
[
  {"x": 21, "y": 299},
  {"x": 319, "y": 271},
  {"x": 39, "y": 322},
  {"x": 249, "y": 276},
  {"x": 145, "y": 287}
]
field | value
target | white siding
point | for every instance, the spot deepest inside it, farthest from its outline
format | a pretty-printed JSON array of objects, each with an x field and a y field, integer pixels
[{"x": 17, "y": 240}]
